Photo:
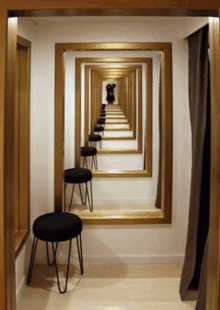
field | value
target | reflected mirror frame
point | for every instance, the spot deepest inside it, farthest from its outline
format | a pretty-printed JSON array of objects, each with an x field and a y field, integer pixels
[
  {"x": 147, "y": 166},
  {"x": 106, "y": 74},
  {"x": 86, "y": 92},
  {"x": 163, "y": 216},
  {"x": 99, "y": 69}
]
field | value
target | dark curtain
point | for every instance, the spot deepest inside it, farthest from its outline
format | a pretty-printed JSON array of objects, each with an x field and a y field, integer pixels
[
  {"x": 158, "y": 196},
  {"x": 194, "y": 268}
]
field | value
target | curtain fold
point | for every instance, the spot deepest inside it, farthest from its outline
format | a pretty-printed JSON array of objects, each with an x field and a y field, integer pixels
[{"x": 199, "y": 205}]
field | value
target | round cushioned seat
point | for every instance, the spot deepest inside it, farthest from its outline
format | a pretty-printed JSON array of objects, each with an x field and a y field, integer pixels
[
  {"x": 101, "y": 121},
  {"x": 78, "y": 175},
  {"x": 98, "y": 128},
  {"x": 94, "y": 138},
  {"x": 57, "y": 227},
  {"x": 88, "y": 151}
]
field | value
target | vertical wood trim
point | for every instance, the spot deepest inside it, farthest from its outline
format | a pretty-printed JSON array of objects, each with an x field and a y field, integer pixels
[
  {"x": 9, "y": 172},
  {"x": 16, "y": 141},
  {"x": 77, "y": 113},
  {"x": 213, "y": 276},
  {"x": 135, "y": 104},
  {"x": 140, "y": 109},
  {"x": 59, "y": 127},
  {"x": 148, "y": 123},
  {"x": 86, "y": 107},
  {"x": 24, "y": 138},
  {"x": 4, "y": 242}
]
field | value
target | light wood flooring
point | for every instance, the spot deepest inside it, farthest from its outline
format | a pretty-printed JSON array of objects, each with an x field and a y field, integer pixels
[{"x": 107, "y": 287}]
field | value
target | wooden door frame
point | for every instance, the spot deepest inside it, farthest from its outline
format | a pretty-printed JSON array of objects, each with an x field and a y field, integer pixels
[{"x": 37, "y": 8}]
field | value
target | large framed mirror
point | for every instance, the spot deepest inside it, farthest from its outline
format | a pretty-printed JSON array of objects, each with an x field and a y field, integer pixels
[{"x": 92, "y": 69}]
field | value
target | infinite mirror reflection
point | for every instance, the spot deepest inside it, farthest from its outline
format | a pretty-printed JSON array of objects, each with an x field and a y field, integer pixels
[{"x": 117, "y": 130}]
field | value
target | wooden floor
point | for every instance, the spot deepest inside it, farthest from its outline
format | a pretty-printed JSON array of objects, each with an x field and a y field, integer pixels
[{"x": 107, "y": 287}]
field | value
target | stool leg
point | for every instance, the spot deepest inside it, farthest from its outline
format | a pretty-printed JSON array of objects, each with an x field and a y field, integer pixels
[
  {"x": 67, "y": 270},
  {"x": 80, "y": 190},
  {"x": 80, "y": 255},
  {"x": 48, "y": 256},
  {"x": 90, "y": 199},
  {"x": 93, "y": 162},
  {"x": 71, "y": 200},
  {"x": 100, "y": 144},
  {"x": 33, "y": 252},
  {"x": 85, "y": 162},
  {"x": 96, "y": 162}
]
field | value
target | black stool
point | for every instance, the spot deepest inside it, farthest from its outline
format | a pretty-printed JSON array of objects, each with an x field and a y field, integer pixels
[
  {"x": 79, "y": 176},
  {"x": 101, "y": 121},
  {"x": 87, "y": 151},
  {"x": 93, "y": 139},
  {"x": 57, "y": 227},
  {"x": 99, "y": 129}
]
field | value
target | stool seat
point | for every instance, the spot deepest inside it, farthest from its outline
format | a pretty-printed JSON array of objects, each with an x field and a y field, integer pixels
[
  {"x": 95, "y": 138},
  {"x": 98, "y": 128},
  {"x": 101, "y": 121},
  {"x": 77, "y": 175},
  {"x": 57, "y": 227},
  {"x": 88, "y": 151}
]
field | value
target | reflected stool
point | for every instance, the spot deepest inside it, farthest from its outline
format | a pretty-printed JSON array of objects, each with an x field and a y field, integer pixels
[
  {"x": 57, "y": 227},
  {"x": 79, "y": 176},
  {"x": 101, "y": 121},
  {"x": 94, "y": 139},
  {"x": 99, "y": 129},
  {"x": 87, "y": 151}
]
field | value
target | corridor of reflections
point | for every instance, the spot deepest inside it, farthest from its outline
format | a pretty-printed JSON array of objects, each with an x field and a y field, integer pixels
[{"x": 114, "y": 140}]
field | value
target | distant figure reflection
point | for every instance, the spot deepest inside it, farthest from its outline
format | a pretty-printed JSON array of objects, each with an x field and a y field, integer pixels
[{"x": 110, "y": 93}]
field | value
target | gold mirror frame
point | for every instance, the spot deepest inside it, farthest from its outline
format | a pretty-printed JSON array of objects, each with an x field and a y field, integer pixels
[
  {"x": 161, "y": 216},
  {"x": 132, "y": 128},
  {"x": 147, "y": 165}
]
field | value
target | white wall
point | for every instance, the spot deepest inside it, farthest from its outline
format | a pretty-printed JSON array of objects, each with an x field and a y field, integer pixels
[{"x": 131, "y": 243}]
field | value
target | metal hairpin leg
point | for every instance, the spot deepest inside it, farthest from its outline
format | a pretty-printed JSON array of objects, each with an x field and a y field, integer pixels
[
  {"x": 86, "y": 194},
  {"x": 48, "y": 255},
  {"x": 90, "y": 199},
  {"x": 85, "y": 162},
  {"x": 94, "y": 160},
  {"x": 67, "y": 270},
  {"x": 71, "y": 200},
  {"x": 80, "y": 255},
  {"x": 33, "y": 252}
]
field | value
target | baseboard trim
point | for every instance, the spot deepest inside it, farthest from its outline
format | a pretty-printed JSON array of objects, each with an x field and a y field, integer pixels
[
  {"x": 125, "y": 260},
  {"x": 132, "y": 260},
  {"x": 20, "y": 290}
]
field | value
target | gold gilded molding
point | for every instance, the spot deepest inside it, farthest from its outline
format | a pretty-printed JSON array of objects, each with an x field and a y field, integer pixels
[
  {"x": 125, "y": 68},
  {"x": 166, "y": 182}
]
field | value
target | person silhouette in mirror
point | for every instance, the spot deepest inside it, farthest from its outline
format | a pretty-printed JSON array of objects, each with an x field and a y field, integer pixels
[{"x": 110, "y": 93}]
